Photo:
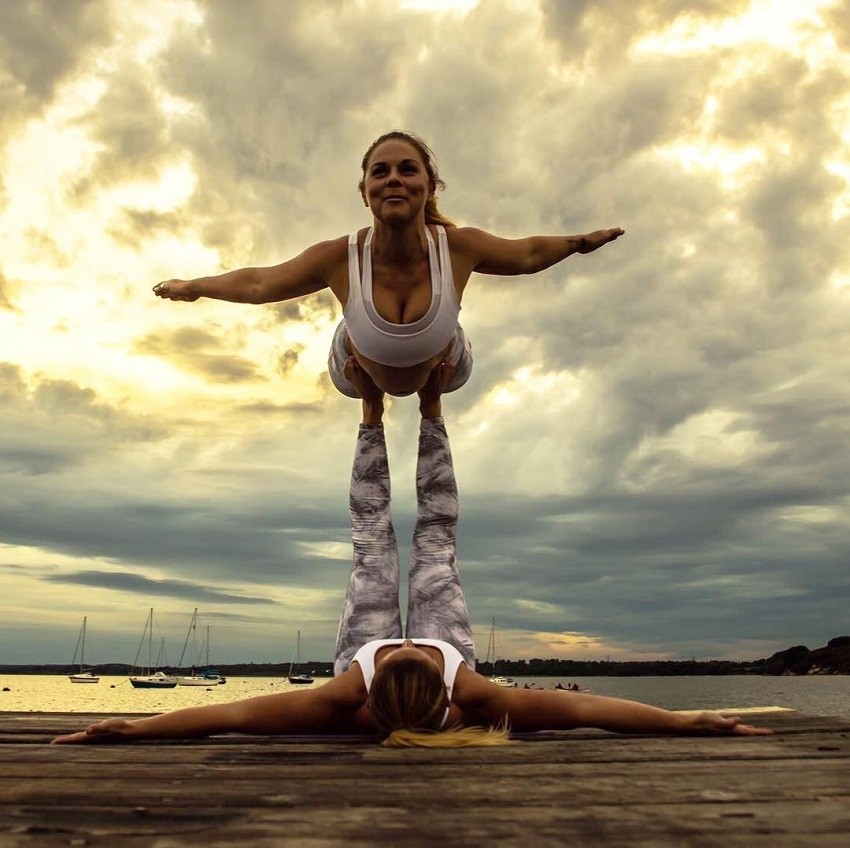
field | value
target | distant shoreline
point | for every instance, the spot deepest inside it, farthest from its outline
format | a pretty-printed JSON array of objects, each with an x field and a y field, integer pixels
[{"x": 833, "y": 658}]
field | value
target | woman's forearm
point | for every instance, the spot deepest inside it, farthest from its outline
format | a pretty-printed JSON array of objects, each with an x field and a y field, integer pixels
[
  {"x": 545, "y": 251},
  {"x": 185, "y": 723},
  {"x": 535, "y": 710},
  {"x": 622, "y": 716},
  {"x": 240, "y": 286}
]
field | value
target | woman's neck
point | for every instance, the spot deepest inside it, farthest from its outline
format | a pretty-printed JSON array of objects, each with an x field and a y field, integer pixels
[{"x": 406, "y": 244}]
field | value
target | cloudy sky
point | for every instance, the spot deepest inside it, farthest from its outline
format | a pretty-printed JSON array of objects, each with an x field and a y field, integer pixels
[{"x": 652, "y": 451}]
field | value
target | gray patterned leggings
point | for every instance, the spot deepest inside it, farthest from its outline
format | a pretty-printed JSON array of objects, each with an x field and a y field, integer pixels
[{"x": 436, "y": 607}]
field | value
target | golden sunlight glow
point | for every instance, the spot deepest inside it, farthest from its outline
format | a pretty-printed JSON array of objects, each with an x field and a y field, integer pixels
[
  {"x": 778, "y": 23},
  {"x": 440, "y": 6},
  {"x": 527, "y": 383},
  {"x": 796, "y": 28},
  {"x": 841, "y": 205},
  {"x": 569, "y": 644},
  {"x": 728, "y": 163}
]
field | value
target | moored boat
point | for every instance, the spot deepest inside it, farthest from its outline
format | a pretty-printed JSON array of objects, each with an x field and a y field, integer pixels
[
  {"x": 300, "y": 679},
  {"x": 497, "y": 679},
  {"x": 82, "y": 676},
  {"x": 157, "y": 680},
  {"x": 150, "y": 679},
  {"x": 201, "y": 677}
]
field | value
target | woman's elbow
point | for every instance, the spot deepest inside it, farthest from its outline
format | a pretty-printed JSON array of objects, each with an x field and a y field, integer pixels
[{"x": 533, "y": 258}]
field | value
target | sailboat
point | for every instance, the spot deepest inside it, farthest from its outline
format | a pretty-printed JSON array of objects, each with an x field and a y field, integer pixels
[
  {"x": 298, "y": 679},
  {"x": 211, "y": 675},
  {"x": 82, "y": 676},
  {"x": 193, "y": 679},
  {"x": 151, "y": 680},
  {"x": 207, "y": 673},
  {"x": 504, "y": 682}
]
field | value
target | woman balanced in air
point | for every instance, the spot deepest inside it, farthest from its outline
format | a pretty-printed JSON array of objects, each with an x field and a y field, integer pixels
[
  {"x": 420, "y": 689},
  {"x": 400, "y": 282}
]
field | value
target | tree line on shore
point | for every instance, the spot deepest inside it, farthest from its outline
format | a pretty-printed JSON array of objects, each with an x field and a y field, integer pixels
[{"x": 833, "y": 658}]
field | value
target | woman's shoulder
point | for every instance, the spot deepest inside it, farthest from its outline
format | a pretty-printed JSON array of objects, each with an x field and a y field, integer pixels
[
  {"x": 480, "y": 701},
  {"x": 347, "y": 689},
  {"x": 332, "y": 248},
  {"x": 470, "y": 687},
  {"x": 464, "y": 235},
  {"x": 466, "y": 240},
  {"x": 328, "y": 260}
]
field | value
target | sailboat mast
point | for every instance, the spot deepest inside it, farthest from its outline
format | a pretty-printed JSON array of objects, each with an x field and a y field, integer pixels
[
  {"x": 150, "y": 640},
  {"x": 83, "y": 647},
  {"x": 491, "y": 643}
]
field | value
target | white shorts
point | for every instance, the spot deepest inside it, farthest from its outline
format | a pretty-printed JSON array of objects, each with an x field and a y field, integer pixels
[{"x": 460, "y": 357}]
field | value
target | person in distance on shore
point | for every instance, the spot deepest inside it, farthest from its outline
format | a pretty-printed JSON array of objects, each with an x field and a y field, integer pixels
[
  {"x": 421, "y": 689},
  {"x": 400, "y": 313}
]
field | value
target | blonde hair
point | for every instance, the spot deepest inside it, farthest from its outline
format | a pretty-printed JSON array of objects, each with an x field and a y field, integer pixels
[
  {"x": 408, "y": 700},
  {"x": 453, "y": 737},
  {"x": 432, "y": 213}
]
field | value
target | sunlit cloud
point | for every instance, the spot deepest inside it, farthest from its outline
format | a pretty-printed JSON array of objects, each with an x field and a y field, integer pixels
[
  {"x": 579, "y": 646},
  {"x": 654, "y": 429}
]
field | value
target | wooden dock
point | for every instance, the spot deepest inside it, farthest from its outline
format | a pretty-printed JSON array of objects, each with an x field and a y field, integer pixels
[{"x": 581, "y": 788}]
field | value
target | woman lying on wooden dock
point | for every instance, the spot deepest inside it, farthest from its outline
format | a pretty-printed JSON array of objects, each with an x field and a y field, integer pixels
[{"x": 421, "y": 690}]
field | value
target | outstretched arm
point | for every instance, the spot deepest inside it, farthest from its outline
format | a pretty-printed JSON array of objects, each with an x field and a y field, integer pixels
[
  {"x": 622, "y": 716},
  {"x": 529, "y": 710},
  {"x": 305, "y": 274},
  {"x": 326, "y": 709},
  {"x": 489, "y": 254}
]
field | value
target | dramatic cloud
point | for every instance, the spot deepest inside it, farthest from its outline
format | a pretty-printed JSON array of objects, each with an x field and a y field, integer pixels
[
  {"x": 138, "y": 585},
  {"x": 651, "y": 448}
]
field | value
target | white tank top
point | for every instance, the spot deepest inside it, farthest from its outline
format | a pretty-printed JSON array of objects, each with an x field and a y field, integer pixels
[
  {"x": 452, "y": 660},
  {"x": 401, "y": 345}
]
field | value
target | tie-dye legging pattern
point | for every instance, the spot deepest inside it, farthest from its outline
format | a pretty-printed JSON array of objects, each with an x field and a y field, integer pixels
[{"x": 436, "y": 607}]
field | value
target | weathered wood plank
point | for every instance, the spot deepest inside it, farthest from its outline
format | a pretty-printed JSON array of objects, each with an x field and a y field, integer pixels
[
  {"x": 269, "y": 763},
  {"x": 676, "y": 783},
  {"x": 580, "y": 788},
  {"x": 644, "y": 824}
]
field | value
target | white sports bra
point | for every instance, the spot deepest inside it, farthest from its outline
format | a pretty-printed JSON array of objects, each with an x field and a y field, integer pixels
[
  {"x": 452, "y": 660},
  {"x": 401, "y": 345}
]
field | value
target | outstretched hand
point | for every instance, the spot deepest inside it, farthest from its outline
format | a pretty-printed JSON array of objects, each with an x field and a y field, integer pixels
[
  {"x": 716, "y": 723},
  {"x": 595, "y": 240},
  {"x": 109, "y": 730},
  {"x": 174, "y": 290}
]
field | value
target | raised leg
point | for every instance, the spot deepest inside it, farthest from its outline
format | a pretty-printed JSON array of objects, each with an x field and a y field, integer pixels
[
  {"x": 370, "y": 609},
  {"x": 436, "y": 605}
]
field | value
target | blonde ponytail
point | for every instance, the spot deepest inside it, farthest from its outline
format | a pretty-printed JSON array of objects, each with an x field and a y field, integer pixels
[
  {"x": 454, "y": 737},
  {"x": 434, "y": 216}
]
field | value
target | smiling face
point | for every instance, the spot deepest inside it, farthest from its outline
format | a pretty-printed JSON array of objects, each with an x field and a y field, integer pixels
[{"x": 396, "y": 183}]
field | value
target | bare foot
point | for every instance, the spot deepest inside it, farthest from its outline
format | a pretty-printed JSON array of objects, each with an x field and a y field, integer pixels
[
  {"x": 430, "y": 405},
  {"x": 373, "y": 397}
]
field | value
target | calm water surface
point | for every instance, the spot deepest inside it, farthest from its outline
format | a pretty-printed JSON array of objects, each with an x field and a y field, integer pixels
[{"x": 813, "y": 695}]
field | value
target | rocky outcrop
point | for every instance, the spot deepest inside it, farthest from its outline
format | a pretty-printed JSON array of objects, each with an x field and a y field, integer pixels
[{"x": 833, "y": 658}]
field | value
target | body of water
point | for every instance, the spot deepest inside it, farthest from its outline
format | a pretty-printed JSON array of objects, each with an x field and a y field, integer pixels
[{"x": 827, "y": 695}]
